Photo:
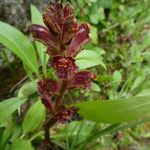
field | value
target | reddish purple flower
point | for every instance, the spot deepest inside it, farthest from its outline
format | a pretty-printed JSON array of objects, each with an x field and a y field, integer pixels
[
  {"x": 80, "y": 39},
  {"x": 61, "y": 23},
  {"x": 53, "y": 17},
  {"x": 81, "y": 79},
  {"x": 43, "y": 35},
  {"x": 63, "y": 34},
  {"x": 64, "y": 66},
  {"x": 65, "y": 114},
  {"x": 47, "y": 88}
]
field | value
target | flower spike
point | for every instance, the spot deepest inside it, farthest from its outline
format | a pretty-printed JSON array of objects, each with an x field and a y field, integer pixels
[{"x": 64, "y": 38}]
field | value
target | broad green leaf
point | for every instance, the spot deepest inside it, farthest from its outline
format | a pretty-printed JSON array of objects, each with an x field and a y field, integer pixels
[
  {"x": 7, "y": 107},
  {"x": 34, "y": 117},
  {"x": 36, "y": 18},
  {"x": 115, "y": 111},
  {"x": 27, "y": 89},
  {"x": 89, "y": 58},
  {"x": 19, "y": 44},
  {"x": 22, "y": 144}
]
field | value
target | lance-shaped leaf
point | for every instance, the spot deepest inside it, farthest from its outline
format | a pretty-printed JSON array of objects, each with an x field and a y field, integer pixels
[
  {"x": 7, "y": 107},
  {"x": 115, "y": 111},
  {"x": 34, "y": 117},
  {"x": 19, "y": 44},
  {"x": 36, "y": 18}
]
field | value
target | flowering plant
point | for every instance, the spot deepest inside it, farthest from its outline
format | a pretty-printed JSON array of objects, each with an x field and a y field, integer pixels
[
  {"x": 64, "y": 39},
  {"x": 29, "y": 126}
]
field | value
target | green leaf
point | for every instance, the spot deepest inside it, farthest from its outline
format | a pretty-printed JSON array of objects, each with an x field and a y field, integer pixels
[
  {"x": 146, "y": 42},
  {"x": 75, "y": 132},
  {"x": 117, "y": 78},
  {"x": 19, "y": 44},
  {"x": 115, "y": 128},
  {"x": 89, "y": 58},
  {"x": 22, "y": 144},
  {"x": 115, "y": 111},
  {"x": 34, "y": 117},
  {"x": 7, "y": 107},
  {"x": 93, "y": 35},
  {"x": 36, "y": 18},
  {"x": 27, "y": 89},
  {"x": 105, "y": 3},
  {"x": 144, "y": 92},
  {"x": 97, "y": 16},
  {"x": 5, "y": 137},
  {"x": 95, "y": 87}
]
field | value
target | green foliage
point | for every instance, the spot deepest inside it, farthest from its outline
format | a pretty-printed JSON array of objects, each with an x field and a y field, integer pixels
[
  {"x": 5, "y": 137},
  {"x": 22, "y": 144},
  {"x": 27, "y": 89},
  {"x": 75, "y": 133},
  {"x": 8, "y": 106},
  {"x": 34, "y": 117},
  {"x": 19, "y": 44},
  {"x": 115, "y": 111},
  {"x": 36, "y": 18},
  {"x": 90, "y": 58}
]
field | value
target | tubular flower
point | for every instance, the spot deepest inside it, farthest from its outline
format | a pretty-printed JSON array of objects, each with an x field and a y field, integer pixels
[
  {"x": 80, "y": 39},
  {"x": 65, "y": 114},
  {"x": 62, "y": 32},
  {"x": 64, "y": 66},
  {"x": 47, "y": 88},
  {"x": 81, "y": 79},
  {"x": 64, "y": 39}
]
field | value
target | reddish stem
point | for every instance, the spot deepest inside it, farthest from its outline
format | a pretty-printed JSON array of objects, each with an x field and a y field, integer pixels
[{"x": 59, "y": 99}]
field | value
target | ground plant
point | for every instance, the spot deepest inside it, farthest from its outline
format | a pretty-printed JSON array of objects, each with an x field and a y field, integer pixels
[{"x": 88, "y": 78}]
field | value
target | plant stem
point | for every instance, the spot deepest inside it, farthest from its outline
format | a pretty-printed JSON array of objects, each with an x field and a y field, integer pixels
[
  {"x": 62, "y": 91},
  {"x": 48, "y": 125}
]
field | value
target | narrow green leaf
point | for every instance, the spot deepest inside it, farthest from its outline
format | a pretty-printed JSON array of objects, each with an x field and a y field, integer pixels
[
  {"x": 19, "y": 44},
  {"x": 34, "y": 117},
  {"x": 117, "y": 78},
  {"x": 115, "y": 111},
  {"x": 7, "y": 107},
  {"x": 36, "y": 18},
  {"x": 22, "y": 144},
  {"x": 5, "y": 137},
  {"x": 94, "y": 35},
  {"x": 95, "y": 87}
]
